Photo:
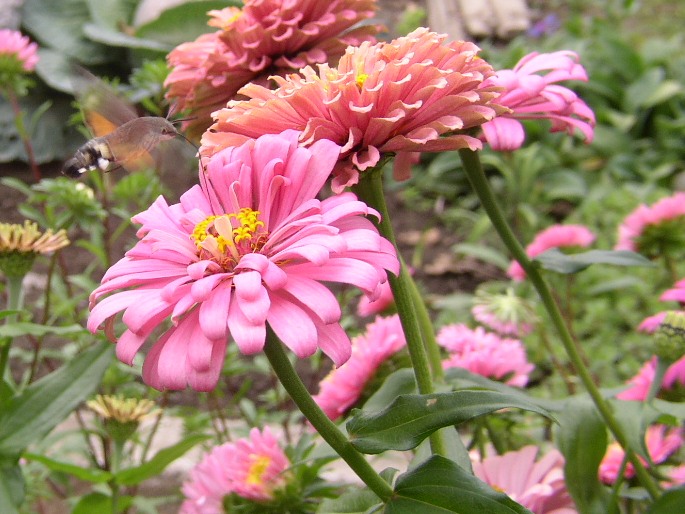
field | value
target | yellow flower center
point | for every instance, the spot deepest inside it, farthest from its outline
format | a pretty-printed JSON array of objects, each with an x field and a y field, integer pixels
[
  {"x": 257, "y": 468},
  {"x": 361, "y": 78},
  {"x": 225, "y": 238}
]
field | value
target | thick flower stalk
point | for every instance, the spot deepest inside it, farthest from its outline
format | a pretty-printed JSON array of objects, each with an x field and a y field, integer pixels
[
  {"x": 414, "y": 94},
  {"x": 248, "y": 247},
  {"x": 538, "y": 486},
  {"x": 344, "y": 385},
  {"x": 264, "y": 37},
  {"x": 531, "y": 92},
  {"x": 254, "y": 468},
  {"x": 556, "y": 236},
  {"x": 485, "y": 353}
]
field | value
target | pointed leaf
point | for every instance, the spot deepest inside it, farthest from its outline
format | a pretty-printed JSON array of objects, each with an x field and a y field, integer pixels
[
  {"x": 412, "y": 418},
  {"x": 582, "y": 439},
  {"x": 556, "y": 260},
  {"x": 45, "y": 403},
  {"x": 21, "y": 328},
  {"x": 93, "y": 475},
  {"x": 439, "y": 486},
  {"x": 158, "y": 463},
  {"x": 93, "y": 502},
  {"x": 357, "y": 501},
  {"x": 12, "y": 487}
]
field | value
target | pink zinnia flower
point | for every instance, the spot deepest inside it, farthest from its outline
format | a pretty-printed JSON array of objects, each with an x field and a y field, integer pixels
[
  {"x": 661, "y": 442},
  {"x": 676, "y": 476},
  {"x": 17, "y": 52},
  {"x": 650, "y": 324},
  {"x": 264, "y": 37},
  {"x": 246, "y": 248},
  {"x": 556, "y": 236},
  {"x": 254, "y": 468},
  {"x": 675, "y": 294},
  {"x": 642, "y": 382},
  {"x": 538, "y": 486},
  {"x": 417, "y": 93},
  {"x": 531, "y": 95},
  {"x": 654, "y": 229},
  {"x": 344, "y": 385},
  {"x": 485, "y": 353}
]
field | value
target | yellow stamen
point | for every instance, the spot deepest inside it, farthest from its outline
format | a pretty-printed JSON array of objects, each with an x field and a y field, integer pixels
[
  {"x": 361, "y": 78},
  {"x": 258, "y": 467},
  {"x": 219, "y": 234}
]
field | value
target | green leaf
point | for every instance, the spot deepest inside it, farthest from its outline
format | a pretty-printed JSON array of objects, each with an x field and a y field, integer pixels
[
  {"x": 412, "y": 418},
  {"x": 12, "y": 487},
  {"x": 673, "y": 500},
  {"x": 482, "y": 253},
  {"x": 93, "y": 502},
  {"x": 439, "y": 486},
  {"x": 45, "y": 403},
  {"x": 112, "y": 37},
  {"x": 556, "y": 260},
  {"x": 59, "y": 25},
  {"x": 182, "y": 23},
  {"x": 21, "y": 328},
  {"x": 158, "y": 463},
  {"x": 582, "y": 438},
  {"x": 93, "y": 475},
  {"x": 357, "y": 501},
  {"x": 112, "y": 13},
  {"x": 399, "y": 382}
]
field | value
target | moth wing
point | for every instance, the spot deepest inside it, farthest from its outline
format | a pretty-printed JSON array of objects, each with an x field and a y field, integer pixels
[
  {"x": 132, "y": 157},
  {"x": 103, "y": 109}
]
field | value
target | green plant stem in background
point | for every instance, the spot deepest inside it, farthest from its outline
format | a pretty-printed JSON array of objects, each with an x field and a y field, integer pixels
[
  {"x": 23, "y": 134},
  {"x": 370, "y": 189},
  {"x": 325, "y": 427},
  {"x": 15, "y": 301},
  {"x": 479, "y": 182}
]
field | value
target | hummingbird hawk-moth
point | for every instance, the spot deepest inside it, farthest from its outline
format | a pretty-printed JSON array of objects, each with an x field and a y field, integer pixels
[{"x": 120, "y": 137}]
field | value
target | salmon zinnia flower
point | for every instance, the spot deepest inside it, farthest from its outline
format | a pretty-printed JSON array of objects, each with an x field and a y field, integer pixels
[
  {"x": 254, "y": 468},
  {"x": 417, "y": 93},
  {"x": 264, "y": 37},
  {"x": 531, "y": 95},
  {"x": 247, "y": 247}
]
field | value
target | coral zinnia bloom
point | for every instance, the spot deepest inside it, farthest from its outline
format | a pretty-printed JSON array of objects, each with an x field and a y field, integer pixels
[
  {"x": 641, "y": 383},
  {"x": 17, "y": 52},
  {"x": 531, "y": 95},
  {"x": 344, "y": 385},
  {"x": 538, "y": 486},
  {"x": 485, "y": 353},
  {"x": 253, "y": 468},
  {"x": 264, "y": 37},
  {"x": 246, "y": 248},
  {"x": 660, "y": 440},
  {"x": 417, "y": 93},
  {"x": 653, "y": 230},
  {"x": 556, "y": 236}
]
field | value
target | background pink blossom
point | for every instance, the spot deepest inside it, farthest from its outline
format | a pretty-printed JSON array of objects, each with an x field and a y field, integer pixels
[
  {"x": 530, "y": 94},
  {"x": 14, "y": 44},
  {"x": 556, "y": 236},
  {"x": 344, "y": 385}
]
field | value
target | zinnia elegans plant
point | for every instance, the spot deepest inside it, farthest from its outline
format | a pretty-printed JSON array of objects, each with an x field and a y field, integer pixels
[{"x": 247, "y": 286}]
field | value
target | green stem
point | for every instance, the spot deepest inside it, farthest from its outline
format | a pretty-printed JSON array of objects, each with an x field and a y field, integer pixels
[
  {"x": 479, "y": 182},
  {"x": 370, "y": 189},
  {"x": 23, "y": 134},
  {"x": 15, "y": 301},
  {"x": 298, "y": 392}
]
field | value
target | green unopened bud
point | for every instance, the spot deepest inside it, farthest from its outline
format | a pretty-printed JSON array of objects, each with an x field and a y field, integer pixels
[{"x": 669, "y": 339}]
